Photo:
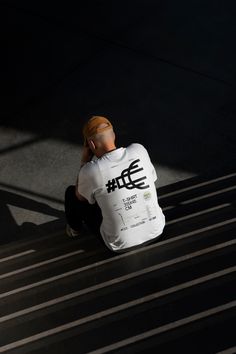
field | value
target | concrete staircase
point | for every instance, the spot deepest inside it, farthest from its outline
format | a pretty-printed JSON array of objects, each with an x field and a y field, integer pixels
[{"x": 177, "y": 295}]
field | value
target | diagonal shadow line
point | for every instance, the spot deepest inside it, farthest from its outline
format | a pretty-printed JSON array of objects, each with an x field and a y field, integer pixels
[
  {"x": 9, "y": 222},
  {"x": 216, "y": 175},
  {"x": 165, "y": 328},
  {"x": 9, "y": 198},
  {"x": 198, "y": 195},
  {"x": 75, "y": 323},
  {"x": 231, "y": 350},
  {"x": 192, "y": 216},
  {"x": 30, "y": 193},
  {"x": 195, "y": 185},
  {"x": 20, "y": 145}
]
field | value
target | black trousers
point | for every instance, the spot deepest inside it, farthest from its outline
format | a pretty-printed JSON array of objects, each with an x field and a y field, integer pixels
[{"x": 79, "y": 212}]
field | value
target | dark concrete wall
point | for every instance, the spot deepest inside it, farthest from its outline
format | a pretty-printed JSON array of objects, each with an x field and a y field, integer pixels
[{"x": 163, "y": 71}]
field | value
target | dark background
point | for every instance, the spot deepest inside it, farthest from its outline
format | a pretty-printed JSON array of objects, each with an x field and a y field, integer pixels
[{"x": 163, "y": 71}]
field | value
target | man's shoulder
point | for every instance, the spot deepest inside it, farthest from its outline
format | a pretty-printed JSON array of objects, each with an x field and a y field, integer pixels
[
  {"x": 136, "y": 147},
  {"x": 89, "y": 168}
]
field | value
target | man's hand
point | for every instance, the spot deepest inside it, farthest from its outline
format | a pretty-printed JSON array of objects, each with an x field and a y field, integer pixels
[{"x": 86, "y": 155}]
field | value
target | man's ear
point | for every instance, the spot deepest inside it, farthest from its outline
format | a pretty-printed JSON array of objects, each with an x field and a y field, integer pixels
[{"x": 91, "y": 145}]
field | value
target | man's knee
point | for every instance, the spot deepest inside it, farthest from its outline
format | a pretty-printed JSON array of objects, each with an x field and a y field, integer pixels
[{"x": 70, "y": 193}]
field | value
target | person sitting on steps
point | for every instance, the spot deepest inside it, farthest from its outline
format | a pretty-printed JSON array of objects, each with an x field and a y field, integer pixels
[{"x": 115, "y": 193}]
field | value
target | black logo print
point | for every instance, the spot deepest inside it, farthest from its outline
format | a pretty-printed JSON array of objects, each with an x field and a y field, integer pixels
[{"x": 125, "y": 180}]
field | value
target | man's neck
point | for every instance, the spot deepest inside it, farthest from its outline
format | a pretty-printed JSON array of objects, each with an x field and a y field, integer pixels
[{"x": 105, "y": 150}]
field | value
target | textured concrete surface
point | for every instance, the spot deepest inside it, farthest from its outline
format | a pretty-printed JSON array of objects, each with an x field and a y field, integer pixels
[{"x": 62, "y": 295}]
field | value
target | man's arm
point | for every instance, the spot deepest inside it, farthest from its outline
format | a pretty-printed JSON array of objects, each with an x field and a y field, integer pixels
[
  {"x": 78, "y": 195},
  {"x": 86, "y": 157}
]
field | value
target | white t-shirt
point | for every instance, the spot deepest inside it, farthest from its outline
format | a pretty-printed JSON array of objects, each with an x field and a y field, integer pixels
[{"x": 122, "y": 183}]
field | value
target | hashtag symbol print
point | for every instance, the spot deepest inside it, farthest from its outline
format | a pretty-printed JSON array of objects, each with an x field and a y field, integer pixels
[
  {"x": 125, "y": 179},
  {"x": 111, "y": 185}
]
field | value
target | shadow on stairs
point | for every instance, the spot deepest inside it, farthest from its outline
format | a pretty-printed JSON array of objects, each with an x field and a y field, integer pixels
[{"x": 174, "y": 296}]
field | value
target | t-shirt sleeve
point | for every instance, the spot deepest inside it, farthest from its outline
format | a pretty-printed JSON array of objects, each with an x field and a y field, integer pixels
[
  {"x": 85, "y": 184},
  {"x": 154, "y": 173}
]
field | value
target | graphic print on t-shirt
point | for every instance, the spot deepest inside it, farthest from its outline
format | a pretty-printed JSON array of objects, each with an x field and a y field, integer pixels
[{"x": 125, "y": 180}]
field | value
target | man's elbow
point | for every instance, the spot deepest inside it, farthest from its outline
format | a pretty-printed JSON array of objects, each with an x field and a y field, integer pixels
[{"x": 79, "y": 196}]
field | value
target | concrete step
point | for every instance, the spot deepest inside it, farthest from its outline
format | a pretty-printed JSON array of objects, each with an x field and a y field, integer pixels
[{"x": 178, "y": 294}]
